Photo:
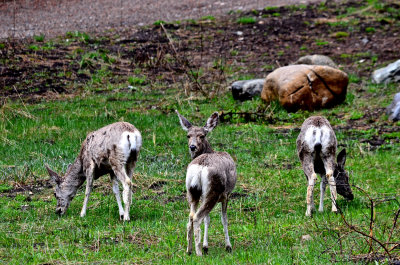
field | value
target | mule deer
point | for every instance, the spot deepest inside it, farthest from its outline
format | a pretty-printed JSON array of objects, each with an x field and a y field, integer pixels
[
  {"x": 210, "y": 176},
  {"x": 316, "y": 148},
  {"x": 112, "y": 150}
]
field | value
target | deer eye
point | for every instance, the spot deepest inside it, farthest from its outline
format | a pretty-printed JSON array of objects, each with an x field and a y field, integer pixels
[
  {"x": 202, "y": 136},
  {"x": 188, "y": 136}
]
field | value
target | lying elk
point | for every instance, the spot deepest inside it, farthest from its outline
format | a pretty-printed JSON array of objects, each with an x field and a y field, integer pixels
[
  {"x": 316, "y": 148},
  {"x": 210, "y": 176},
  {"x": 112, "y": 150}
]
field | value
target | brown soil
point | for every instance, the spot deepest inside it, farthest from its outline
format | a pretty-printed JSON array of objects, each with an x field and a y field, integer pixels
[{"x": 223, "y": 48}]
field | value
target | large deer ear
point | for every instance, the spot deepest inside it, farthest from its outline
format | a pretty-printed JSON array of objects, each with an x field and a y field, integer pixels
[
  {"x": 184, "y": 122},
  {"x": 341, "y": 158},
  {"x": 54, "y": 177},
  {"x": 211, "y": 122}
]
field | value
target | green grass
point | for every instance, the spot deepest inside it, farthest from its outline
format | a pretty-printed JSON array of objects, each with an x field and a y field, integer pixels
[
  {"x": 266, "y": 220},
  {"x": 246, "y": 20}
]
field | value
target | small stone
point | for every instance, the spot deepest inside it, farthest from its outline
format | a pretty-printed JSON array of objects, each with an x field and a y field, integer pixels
[
  {"x": 393, "y": 110},
  {"x": 390, "y": 73},
  {"x": 247, "y": 89},
  {"x": 316, "y": 59},
  {"x": 305, "y": 238},
  {"x": 239, "y": 33}
]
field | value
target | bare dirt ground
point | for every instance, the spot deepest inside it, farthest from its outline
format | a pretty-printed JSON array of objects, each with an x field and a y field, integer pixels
[
  {"x": 25, "y": 18},
  {"x": 222, "y": 49}
]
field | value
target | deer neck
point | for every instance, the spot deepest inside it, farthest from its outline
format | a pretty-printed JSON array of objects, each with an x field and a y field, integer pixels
[
  {"x": 207, "y": 150},
  {"x": 74, "y": 178}
]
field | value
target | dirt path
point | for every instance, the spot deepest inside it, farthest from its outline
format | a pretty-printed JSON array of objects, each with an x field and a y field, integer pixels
[{"x": 25, "y": 18}]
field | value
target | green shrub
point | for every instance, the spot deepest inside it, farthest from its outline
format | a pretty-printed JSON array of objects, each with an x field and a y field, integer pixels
[{"x": 246, "y": 20}]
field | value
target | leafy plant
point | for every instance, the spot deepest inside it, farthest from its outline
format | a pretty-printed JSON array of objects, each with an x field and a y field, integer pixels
[
  {"x": 321, "y": 42},
  {"x": 39, "y": 38},
  {"x": 136, "y": 80},
  {"x": 211, "y": 18},
  {"x": 246, "y": 20},
  {"x": 370, "y": 30}
]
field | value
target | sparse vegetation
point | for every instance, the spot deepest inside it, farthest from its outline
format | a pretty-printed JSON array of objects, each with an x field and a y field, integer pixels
[{"x": 246, "y": 20}]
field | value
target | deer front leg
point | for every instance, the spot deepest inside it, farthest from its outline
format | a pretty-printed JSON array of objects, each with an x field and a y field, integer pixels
[
  {"x": 224, "y": 219},
  {"x": 117, "y": 196},
  {"x": 322, "y": 188},
  {"x": 329, "y": 163},
  {"x": 89, "y": 185},
  {"x": 119, "y": 171}
]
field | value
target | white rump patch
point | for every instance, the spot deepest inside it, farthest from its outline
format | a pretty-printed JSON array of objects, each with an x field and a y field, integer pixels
[
  {"x": 197, "y": 176},
  {"x": 317, "y": 135},
  {"x": 130, "y": 141}
]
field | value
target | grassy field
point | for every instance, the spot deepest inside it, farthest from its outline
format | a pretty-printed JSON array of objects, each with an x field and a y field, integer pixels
[{"x": 266, "y": 212}]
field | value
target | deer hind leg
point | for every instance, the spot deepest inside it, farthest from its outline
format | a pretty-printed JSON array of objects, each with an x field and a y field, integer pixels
[
  {"x": 207, "y": 205},
  {"x": 205, "y": 240},
  {"x": 322, "y": 188},
  {"x": 308, "y": 168},
  {"x": 89, "y": 172},
  {"x": 224, "y": 219},
  {"x": 120, "y": 172},
  {"x": 329, "y": 163},
  {"x": 193, "y": 207},
  {"x": 117, "y": 195}
]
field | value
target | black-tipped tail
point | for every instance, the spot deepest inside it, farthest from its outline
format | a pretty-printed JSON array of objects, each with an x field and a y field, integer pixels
[{"x": 317, "y": 147}]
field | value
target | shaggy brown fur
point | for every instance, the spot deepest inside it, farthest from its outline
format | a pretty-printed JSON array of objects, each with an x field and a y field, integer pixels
[{"x": 112, "y": 150}]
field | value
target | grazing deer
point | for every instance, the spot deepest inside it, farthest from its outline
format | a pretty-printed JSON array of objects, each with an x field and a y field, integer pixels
[
  {"x": 210, "y": 176},
  {"x": 112, "y": 150},
  {"x": 316, "y": 148}
]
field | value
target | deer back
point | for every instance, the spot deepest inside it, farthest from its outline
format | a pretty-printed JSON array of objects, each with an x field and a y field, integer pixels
[{"x": 316, "y": 136}]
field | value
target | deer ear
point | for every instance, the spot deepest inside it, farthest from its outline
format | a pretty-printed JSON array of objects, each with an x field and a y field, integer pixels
[
  {"x": 211, "y": 122},
  {"x": 341, "y": 158},
  {"x": 184, "y": 122},
  {"x": 54, "y": 177}
]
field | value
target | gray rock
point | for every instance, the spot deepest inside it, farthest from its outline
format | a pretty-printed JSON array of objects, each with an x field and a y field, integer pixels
[
  {"x": 393, "y": 110},
  {"x": 387, "y": 74},
  {"x": 316, "y": 59},
  {"x": 247, "y": 89}
]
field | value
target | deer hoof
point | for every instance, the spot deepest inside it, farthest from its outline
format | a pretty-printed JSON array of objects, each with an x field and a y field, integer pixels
[
  {"x": 228, "y": 249},
  {"x": 121, "y": 217},
  {"x": 189, "y": 252},
  {"x": 205, "y": 250}
]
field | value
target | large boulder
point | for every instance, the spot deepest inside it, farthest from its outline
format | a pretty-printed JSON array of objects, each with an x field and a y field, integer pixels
[
  {"x": 316, "y": 59},
  {"x": 306, "y": 87},
  {"x": 393, "y": 110},
  {"x": 387, "y": 74},
  {"x": 247, "y": 89}
]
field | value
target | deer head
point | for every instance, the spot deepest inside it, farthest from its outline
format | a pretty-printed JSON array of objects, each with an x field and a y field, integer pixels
[
  {"x": 197, "y": 141},
  {"x": 342, "y": 177},
  {"x": 63, "y": 200}
]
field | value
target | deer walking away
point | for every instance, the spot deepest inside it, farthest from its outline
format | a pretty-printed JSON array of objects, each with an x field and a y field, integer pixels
[{"x": 113, "y": 150}]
